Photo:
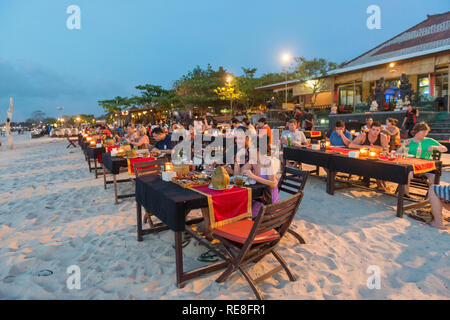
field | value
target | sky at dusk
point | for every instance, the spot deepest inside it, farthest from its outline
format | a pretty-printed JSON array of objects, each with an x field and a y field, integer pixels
[{"x": 121, "y": 44}]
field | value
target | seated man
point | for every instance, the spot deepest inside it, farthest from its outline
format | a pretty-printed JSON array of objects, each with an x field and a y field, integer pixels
[
  {"x": 439, "y": 196},
  {"x": 297, "y": 137},
  {"x": 340, "y": 137},
  {"x": 372, "y": 139},
  {"x": 163, "y": 141},
  {"x": 368, "y": 125}
]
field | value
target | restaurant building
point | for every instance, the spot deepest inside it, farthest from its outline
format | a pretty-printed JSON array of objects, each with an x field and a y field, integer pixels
[{"x": 422, "y": 53}]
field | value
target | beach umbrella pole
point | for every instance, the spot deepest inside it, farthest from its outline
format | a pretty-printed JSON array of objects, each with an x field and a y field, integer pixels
[{"x": 8, "y": 124}]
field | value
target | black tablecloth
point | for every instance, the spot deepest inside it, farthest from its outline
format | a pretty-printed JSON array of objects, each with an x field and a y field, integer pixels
[
  {"x": 83, "y": 144},
  {"x": 382, "y": 170},
  {"x": 94, "y": 152},
  {"x": 308, "y": 156},
  {"x": 377, "y": 169},
  {"x": 113, "y": 164},
  {"x": 170, "y": 202}
]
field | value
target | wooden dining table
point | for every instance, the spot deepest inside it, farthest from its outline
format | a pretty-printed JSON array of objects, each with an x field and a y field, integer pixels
[
  {"x": 334, "y": 162},
  {"x": 172, "y": 204}
]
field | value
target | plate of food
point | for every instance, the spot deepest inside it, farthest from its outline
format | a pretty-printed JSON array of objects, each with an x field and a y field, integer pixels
[
  {"x": 191, "y": 180},
  {"x": 227, "y": 188},
  {"x": 238, "y": 180}
]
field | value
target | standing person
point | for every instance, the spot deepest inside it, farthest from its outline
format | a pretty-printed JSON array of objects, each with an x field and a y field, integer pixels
[
  {"x": 299, "y": 117},
  {"x": 309, "y": 120},
  {"x": 340, "y": 137},
  {"x": 410, "y": 119}
]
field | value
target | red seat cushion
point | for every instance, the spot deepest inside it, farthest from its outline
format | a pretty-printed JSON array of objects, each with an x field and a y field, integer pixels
[{"x": 238, "y": 232}]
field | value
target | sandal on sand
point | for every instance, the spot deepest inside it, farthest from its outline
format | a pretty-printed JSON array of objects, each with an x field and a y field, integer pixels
[
  {"x": 421, "y": 215},
  {"x": 184, "y": 243},
  {"x": 208, "y": 256}
]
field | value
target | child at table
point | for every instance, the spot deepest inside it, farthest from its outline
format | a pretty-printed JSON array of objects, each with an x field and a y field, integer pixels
[{"x": 265, "y": 172}]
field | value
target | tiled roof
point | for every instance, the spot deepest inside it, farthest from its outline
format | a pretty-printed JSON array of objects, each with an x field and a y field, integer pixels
[{"x": 428, "y": 36}]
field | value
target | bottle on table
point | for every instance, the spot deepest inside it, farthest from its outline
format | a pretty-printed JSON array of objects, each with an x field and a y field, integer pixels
[
  {"x": 289, "y": 141},
  {"x": 419, "y": 150}
]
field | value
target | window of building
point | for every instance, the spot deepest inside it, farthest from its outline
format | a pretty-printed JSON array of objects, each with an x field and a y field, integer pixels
[
  {"x": 346, "y": 95},
  {"x": 423, "y": 88}
]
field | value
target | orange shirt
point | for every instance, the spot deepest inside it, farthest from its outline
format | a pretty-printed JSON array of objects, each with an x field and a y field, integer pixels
[
  {"x": 268, "y": 132},
  {"x": 107, "y": 132}
]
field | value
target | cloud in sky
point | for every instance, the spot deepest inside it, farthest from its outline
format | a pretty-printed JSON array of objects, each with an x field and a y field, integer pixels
[{"x": 36, "y": 87}]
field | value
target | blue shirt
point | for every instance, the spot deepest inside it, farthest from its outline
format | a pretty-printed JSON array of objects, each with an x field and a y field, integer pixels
[
  {"x": 336, "y": 139},
  {"x": 165, "y": 144}
]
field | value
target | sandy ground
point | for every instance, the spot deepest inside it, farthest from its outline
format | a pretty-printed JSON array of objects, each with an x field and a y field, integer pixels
[{"x": 55, "y": 214}]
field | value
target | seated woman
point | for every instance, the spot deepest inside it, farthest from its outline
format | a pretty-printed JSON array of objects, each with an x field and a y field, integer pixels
[
  {"x": 422, "y": 147},
  {"x": 265, "y": 172},
  {"x": 141, "y": 141},
  {"x": 393, "y": 132}
]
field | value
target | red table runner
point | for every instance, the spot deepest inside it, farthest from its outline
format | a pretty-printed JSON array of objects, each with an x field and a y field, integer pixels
[
  {"x": 226, "y": 206},
  {"x": 419, "y": 165}
]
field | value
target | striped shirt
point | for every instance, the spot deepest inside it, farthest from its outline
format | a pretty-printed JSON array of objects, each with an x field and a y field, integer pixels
[{"x": 442, "y": 192}]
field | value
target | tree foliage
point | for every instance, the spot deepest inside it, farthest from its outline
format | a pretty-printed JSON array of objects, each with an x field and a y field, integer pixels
[{"x": 314, "y": 73}]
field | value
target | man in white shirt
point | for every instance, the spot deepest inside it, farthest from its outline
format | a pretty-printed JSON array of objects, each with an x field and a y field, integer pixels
[{"x": 297, "y": 137}]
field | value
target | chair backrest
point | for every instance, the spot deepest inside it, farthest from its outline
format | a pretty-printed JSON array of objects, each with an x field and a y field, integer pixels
[
  {"x": 147, "y": 167},
  {"x": 277, "y": 216},
  {"x": 436, "y": 155},
  {"x": 292, "y": 180}
]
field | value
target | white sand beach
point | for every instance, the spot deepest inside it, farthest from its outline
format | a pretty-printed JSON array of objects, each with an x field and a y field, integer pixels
[{"x": 54, "y": 214}]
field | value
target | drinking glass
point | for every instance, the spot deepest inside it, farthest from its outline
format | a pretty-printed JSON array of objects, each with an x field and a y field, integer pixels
[{"x": 405, "y": 152}]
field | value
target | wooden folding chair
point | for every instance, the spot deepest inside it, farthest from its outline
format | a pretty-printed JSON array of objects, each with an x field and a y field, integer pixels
[
  {"x": 293, "y": 181},
  {"x": 248, "y": 241},
  {"x": 421, "y": 182},
  {"x": 152, "y": 167},
  {"x": 71, "y": 142}
]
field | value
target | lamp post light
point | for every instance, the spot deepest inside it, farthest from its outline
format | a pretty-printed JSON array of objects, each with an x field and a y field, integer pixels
[
  {"x": 229, "y": 80},
  {"x": 286, "y": 57}
]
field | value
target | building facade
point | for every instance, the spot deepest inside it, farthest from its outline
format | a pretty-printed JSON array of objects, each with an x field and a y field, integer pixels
[{"x": 422, "y": 53}]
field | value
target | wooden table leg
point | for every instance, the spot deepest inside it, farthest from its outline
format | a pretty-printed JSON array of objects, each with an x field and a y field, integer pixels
[
  {"x": 179, "y": 258},
  {"x": 401, "y": 193},
  {"x": 331, "y": 177},
  {"x": 437, "y": 176},
  {"x": 115, "y": 189},
  {"x": 95, "y": 168},
  {"x": 104, "y": 175},
  {"x": 139, "y": 222}
]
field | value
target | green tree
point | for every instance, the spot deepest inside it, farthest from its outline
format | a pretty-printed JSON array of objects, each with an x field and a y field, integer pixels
[
  {"x": 37, "y": 116},
  {"x": 196, "y": 89},
  {"x": 314, "y": 73},
  {"x": 116, "y": 105},
  {"x": 156, "y": 97}
]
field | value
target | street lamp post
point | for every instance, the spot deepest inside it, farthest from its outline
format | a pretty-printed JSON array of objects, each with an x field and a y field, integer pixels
[
  {"x": 229, "y": 80},
  {"x": 286, "y": 58}
]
